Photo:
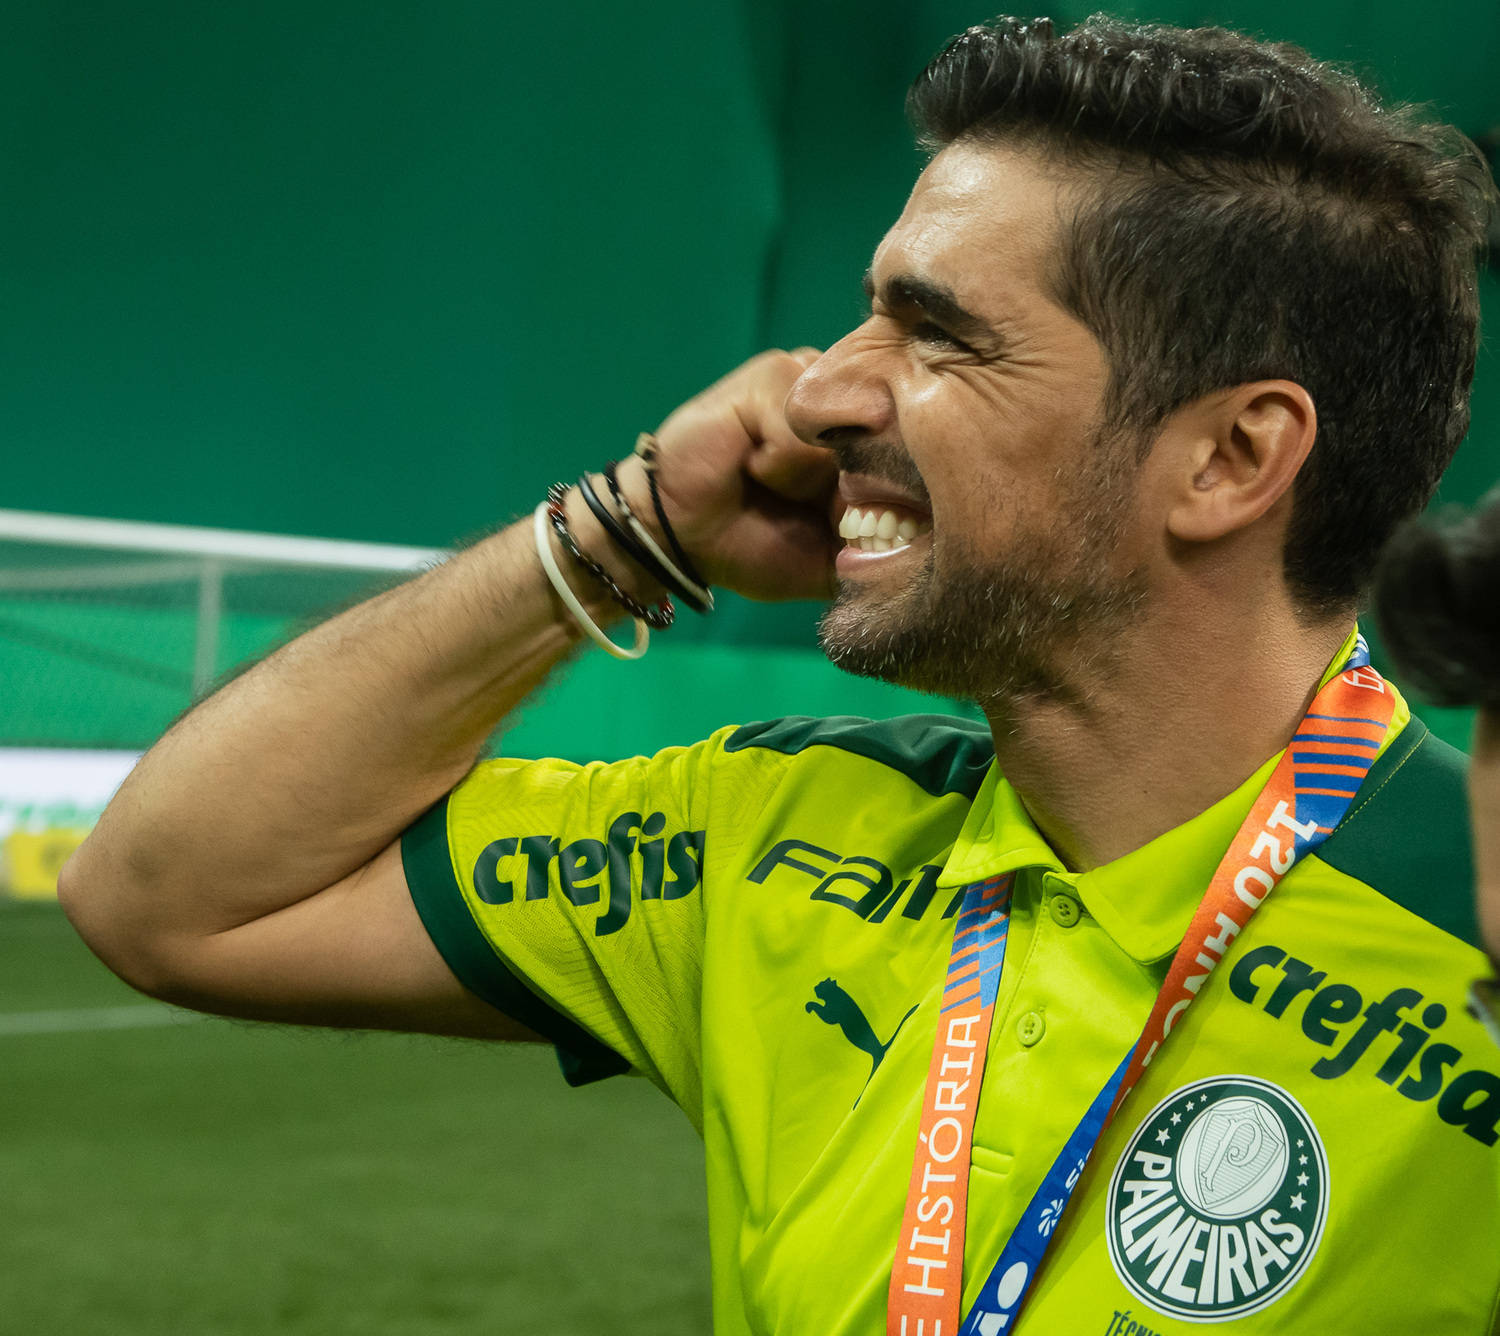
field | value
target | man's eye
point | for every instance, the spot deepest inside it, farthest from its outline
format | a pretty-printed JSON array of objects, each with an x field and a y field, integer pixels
[{"x": 927, "y": 332}]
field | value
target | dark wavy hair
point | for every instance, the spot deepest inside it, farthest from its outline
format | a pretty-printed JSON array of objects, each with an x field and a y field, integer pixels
[
  {"x": 1256, "y": 215},
  {"x": 1437, "y": 606}
]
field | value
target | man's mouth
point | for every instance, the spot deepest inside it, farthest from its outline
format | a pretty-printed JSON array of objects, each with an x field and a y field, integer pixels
[{"x": 878, "y": 528}]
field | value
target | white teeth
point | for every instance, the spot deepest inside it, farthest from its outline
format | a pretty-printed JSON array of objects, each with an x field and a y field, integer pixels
[{"x": 877, "y": 530}]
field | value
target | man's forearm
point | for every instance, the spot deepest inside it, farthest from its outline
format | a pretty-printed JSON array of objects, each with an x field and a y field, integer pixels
[
  {"x": 301, "y": 770},
  {"x": 247, "y": 865}
]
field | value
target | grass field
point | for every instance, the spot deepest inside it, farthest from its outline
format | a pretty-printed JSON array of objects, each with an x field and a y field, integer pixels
[{"x": 207, "y": 1176}]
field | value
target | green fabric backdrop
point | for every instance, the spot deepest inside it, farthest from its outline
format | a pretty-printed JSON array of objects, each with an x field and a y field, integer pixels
[{"x": 382, "y": 270}]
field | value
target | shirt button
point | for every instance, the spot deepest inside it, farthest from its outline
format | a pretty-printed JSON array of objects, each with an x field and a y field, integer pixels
[
  {"x": 1065, "y": 910},
  {"x": 1030, "y": 1028}
]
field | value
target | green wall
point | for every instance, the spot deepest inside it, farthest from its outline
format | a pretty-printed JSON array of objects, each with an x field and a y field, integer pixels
[{"x": 383, "y": 270}]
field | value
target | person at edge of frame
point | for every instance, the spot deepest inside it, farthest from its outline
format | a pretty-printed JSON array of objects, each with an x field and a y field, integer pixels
[
  {"x": 1436, "y": 600},
  {"x": 1174, "y": 330}
]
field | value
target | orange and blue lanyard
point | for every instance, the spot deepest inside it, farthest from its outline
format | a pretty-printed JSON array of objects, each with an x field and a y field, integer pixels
[{"x": 1306, "y": 796}]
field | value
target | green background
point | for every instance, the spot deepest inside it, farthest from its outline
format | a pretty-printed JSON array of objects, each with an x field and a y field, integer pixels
[{"x": 384, "y": 270}]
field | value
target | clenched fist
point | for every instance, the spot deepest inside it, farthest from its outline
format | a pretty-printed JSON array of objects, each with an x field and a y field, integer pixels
[{"x": 748, "y": 500}]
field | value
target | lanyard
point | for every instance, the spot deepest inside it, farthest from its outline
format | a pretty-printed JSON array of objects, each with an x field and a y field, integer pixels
[{"x": 1306, "y": 796}]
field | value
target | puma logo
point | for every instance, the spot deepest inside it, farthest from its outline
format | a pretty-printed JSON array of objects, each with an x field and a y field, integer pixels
[{"x": 833, "y": 1006}]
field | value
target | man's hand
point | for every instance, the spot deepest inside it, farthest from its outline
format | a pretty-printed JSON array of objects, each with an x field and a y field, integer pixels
[{"x": 748, "y": 500}]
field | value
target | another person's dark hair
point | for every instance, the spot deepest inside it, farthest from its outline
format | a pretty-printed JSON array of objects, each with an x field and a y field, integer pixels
[
  {"x": 1255, "y": 215},
  {"x": 1437, "y": 606}
]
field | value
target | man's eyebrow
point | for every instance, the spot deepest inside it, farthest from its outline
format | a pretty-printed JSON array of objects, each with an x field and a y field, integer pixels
[{"x": 908, "y": 292}]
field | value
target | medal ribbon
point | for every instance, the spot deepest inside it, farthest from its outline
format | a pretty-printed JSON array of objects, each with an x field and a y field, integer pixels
[{"x": 1306, "y": 796}]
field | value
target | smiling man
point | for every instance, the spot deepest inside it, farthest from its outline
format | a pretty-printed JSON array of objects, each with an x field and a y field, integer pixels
[
  {"x": 1009, "y": 432},
  {"x": 1142, "y": 1005}
]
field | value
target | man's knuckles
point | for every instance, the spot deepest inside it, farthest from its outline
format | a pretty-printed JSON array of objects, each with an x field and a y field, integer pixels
[
  {"x": 774, "y": 372},
  {"x": 792, "y": 468}
]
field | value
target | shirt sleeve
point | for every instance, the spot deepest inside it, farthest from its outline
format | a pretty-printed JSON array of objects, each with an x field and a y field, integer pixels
[{"x": 571, "y": 898}]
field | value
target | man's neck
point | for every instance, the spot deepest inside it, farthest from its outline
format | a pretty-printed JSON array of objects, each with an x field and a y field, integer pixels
[{"x": 1174, "y": 726}]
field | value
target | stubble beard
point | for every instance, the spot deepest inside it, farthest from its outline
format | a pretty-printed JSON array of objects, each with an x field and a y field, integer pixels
[{"x": 1039, "y": 623}]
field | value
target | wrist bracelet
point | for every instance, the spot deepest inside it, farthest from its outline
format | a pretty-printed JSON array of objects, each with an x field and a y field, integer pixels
[
  {"x": 626, "y": 541},
  {"x": 646, "y": 447},
  {"x": 540, "y": 532},
  {"x": 658, "y": 618},
  {"x": 699, "y": 597}
]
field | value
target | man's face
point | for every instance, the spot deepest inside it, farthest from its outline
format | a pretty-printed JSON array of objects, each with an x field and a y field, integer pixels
[{"x": 965, "y": 416}]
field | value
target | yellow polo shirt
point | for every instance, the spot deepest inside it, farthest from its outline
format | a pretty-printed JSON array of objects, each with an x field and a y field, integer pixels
[{"x": 760, "y": 925}]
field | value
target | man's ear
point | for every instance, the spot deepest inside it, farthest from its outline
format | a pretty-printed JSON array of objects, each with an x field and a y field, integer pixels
[{"x": 1238, "y": 455}]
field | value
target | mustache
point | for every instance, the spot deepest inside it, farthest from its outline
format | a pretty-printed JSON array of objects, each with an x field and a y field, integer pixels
[{"x": 882, "y": 460}]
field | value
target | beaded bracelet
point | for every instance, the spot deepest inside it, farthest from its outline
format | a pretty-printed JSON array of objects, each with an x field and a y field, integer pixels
[
  {"x": 658, "y": 618},
  {"x": 541, "y": 535}
]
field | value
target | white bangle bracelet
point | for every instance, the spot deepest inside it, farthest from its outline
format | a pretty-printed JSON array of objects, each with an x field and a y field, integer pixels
[{"x": 542, "y": 532}]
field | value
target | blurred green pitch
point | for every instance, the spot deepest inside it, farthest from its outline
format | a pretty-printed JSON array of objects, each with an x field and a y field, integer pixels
[{"x": 216, "y": 1177}]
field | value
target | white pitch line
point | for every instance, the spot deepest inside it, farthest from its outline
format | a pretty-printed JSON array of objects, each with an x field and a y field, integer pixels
[{"x": 82, "y": 1019}]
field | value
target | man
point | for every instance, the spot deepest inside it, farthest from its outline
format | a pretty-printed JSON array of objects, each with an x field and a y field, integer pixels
[{"x": 1172, "y": 332}]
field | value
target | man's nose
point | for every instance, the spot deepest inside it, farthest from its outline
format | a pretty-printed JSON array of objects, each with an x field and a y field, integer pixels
[{"x": 842, "y": 391}]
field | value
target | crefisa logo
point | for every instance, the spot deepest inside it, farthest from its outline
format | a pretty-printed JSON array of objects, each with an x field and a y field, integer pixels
[{"x": 1218, "y": 1203}]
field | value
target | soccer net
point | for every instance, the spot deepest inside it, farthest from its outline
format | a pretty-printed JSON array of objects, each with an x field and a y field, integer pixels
[{"x": 109, "y": 629}]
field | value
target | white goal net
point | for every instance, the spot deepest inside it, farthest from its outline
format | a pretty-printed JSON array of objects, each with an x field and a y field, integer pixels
[{"x": 109, "y": 629}]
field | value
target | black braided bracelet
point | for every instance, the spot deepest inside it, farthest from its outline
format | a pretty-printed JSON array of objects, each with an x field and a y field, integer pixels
[
  {"x": 658, "y": 618},
  {"x": 698, "y": 598},
  {"x": 626, "y": 541},
  {"x": 645, "y": 447}
]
